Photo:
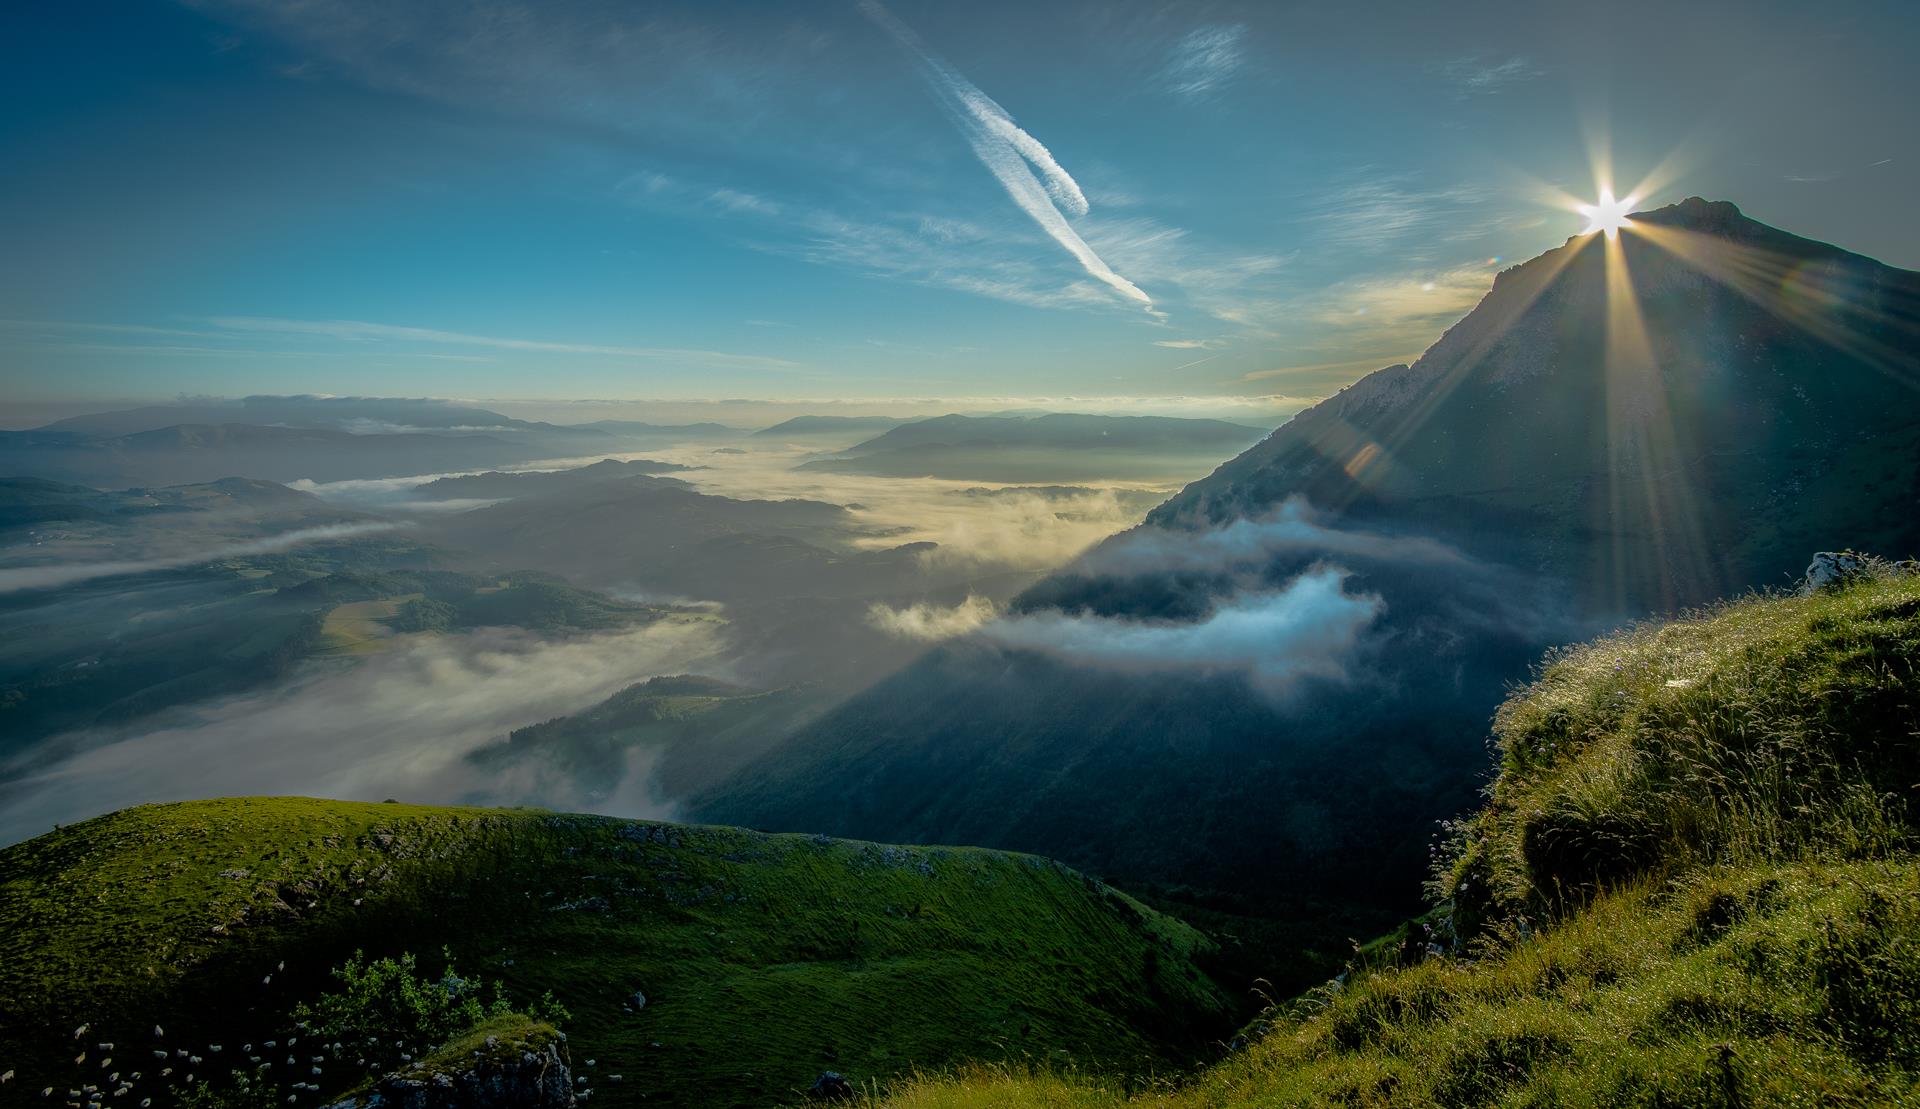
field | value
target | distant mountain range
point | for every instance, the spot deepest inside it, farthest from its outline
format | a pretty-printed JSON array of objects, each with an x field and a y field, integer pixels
[
  {"x": 832, "y": 425},
  {"x": 1058, "y": 446},
  {"x": 316, "y": 438},
  {"x": 1617, "y": 429}
]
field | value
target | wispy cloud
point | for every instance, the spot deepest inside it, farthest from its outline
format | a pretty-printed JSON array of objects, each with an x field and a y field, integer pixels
[
  {"x": 1204, "y": 59},
  {"x": 1479, "y": 75},
  {"x": 361, "y": 330},
  {"x": 1012, "y": 155},
  {"x": 1189, "y": 344},
  {"x": 1407, "y": 308},
  {"x": 1381, "y": 212}
]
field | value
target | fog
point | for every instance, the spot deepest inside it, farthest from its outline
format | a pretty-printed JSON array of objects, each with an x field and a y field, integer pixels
[
  {"x": 1306, "y": 629},
  {"x": 396, "y": 725},
  {"x": 1294, "y": 526},
  {"x": 54, "y": 575}
]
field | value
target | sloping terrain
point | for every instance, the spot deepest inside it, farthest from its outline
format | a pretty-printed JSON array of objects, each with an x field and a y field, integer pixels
[
  {"x": 1618, "y": 429},
  {"x": 762, "y": 959},
  {"x": 1694, "y": 883}
]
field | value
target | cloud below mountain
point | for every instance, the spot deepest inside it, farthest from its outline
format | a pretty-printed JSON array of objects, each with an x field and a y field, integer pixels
[
  {"x": 930, "y": 621},
  {"x": 398, "y": 725},
  {"x": 1307, "y": 629},
  {"x": 1292, "y": 527}
]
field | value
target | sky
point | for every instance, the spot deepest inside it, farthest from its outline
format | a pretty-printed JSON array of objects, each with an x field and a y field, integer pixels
[{"x": 1210, "y": 208}]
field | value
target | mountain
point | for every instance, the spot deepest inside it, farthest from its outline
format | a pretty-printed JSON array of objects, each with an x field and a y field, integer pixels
[
  {"x": 365, "y": 415},
  {"x": 184, "y": 453},
  {"x": 1057, "y": 447},
  {"x": 1653, "y": 907},
  {"x": 1260, "y": 702},
  {"x": 25, "y": 501},
  {"x": 494, "y": 485},
  {"x": 1749, "y": 400},
  {"x": 290, "y": 438},
  {"x": 832, "y": 425},
  {"x": 1059, "y": 429},
  {"x": 637, "y": 429},
  {"x": 684, "y": 733},
  {"x": 711, "y": 967}
]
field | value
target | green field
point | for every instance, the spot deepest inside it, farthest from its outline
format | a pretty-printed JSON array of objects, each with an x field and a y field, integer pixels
[
  {"x": 361, "y": 628},
  {"x": 764, "y": 959}
]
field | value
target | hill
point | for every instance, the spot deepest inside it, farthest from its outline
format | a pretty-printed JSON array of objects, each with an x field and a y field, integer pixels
[
  {"x": 1056, "y": 447},
  {"x": 1154, "y": 712},
  {"x": 832, "y": 425},
  {"x": 495, "y": 485},
  {"x": 1694, "y": 883},
  {"x": 687, "y": 732},
  {"x": 364, "y": 415},
  {"x": 708, "y": 966}
]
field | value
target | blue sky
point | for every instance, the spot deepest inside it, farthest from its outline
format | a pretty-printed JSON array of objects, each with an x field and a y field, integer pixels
[{"x": 1206, "y": 207}]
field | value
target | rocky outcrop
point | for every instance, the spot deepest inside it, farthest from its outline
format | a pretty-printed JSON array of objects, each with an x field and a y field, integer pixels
[
  {"x": 1833, "y": 569},
  {"x": 501, "y": 1072}
]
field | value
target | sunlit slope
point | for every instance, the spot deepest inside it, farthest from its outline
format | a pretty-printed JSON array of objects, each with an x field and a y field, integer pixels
[
  {"x": 1657, "y": 419},
  {"x": 763, "y": 959},
  {"x": 1695, "y": 883}
]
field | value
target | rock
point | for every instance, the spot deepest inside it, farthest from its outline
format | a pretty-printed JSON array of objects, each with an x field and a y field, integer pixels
[
  {"x": 1833, "y": 569},
  {"x": 539, "y": 1077},
  {"x": 831, "y": 1086},
  {"x": 639, "y": 1000}
]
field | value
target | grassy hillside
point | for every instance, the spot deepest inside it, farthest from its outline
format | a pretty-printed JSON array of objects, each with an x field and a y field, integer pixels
[
  {"x": 1694, "y": 884},
  {"x": 763, "y": 959},
  {"x": 696, "y": 731}
]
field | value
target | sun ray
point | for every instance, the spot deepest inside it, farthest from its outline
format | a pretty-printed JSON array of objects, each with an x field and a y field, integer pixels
[
  {"x": 1649, "y": 491},
  {"x": 1800, "y": 295}
]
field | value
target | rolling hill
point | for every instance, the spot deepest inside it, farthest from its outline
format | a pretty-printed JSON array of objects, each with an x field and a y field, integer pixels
[{"x": 708, "y": 966}]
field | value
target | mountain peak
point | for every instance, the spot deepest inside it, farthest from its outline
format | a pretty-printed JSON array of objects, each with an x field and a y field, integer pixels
[
  {"x": 1696, "y": 373},
  {"x": 1695, "y": 213}
]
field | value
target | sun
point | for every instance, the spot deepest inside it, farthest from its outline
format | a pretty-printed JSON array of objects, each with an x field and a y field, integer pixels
[{"x": 1607, "y": 214}]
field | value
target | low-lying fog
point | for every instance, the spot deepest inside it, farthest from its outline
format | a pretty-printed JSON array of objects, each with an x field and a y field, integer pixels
[{"x": 821, "y": 600}]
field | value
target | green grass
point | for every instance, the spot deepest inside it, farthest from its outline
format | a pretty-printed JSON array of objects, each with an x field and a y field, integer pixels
[
  {"x": 1693, "y": 884},
  {"x": 1753, "y": 732},
  {"x": 764, "y": 958}
]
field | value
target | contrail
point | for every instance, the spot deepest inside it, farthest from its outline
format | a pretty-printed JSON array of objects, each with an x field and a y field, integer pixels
[
  {"x": 14, "y": 579},
  {"x": 1011, "y": 155}
]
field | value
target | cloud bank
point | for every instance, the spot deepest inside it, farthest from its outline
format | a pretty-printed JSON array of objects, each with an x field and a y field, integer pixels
[
  {"x": 1306, "y": 629},
  {"x": 397, "y": 725},
  {"x": 17, "y": 578},
  {"x": 927, "y": 622},
  {"x": 1293, "y": 527}
]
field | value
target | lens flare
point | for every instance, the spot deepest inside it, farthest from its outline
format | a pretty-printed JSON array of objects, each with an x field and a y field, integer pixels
[{"x": 1607, "y": 214}]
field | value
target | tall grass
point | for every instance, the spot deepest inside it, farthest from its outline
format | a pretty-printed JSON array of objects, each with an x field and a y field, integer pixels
[
  {"x": 1770, "y": 728},
  {"x": 1693, "y": 884}
]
